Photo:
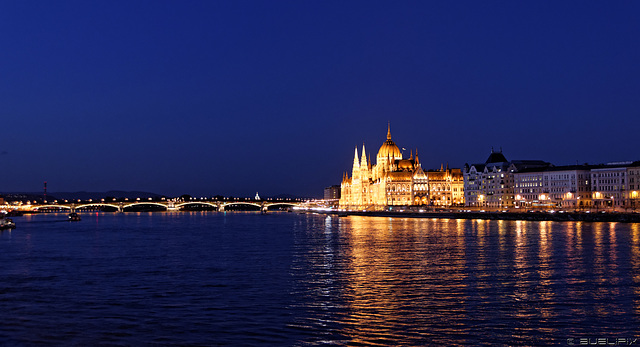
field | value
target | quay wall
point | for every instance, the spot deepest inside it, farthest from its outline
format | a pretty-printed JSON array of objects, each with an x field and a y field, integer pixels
[{"x": 526, "y": 216}]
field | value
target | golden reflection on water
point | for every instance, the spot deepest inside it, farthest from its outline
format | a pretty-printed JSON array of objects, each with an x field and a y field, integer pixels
[
  {"x": 460, "y": 226},
  {"x": 545, "y": 268},
  {"x": 574, "y": 264},
  {"x": 598, "y": 266},
  {"x": 502, "y": 236},
  {"x": 371, "y": 297},
  {"x": 577, "y": 244},
  {"x": 406, "y": 279},
  {"x": 394, "y": 270},
  {"x": 613, "y": 251},
  {"x": 520, "y": 258},
  {"x": 576, "y": 257},
  {"x": 613, "y": 290},
  {"x": 635, "y": 264},
  {"x": 598, "y": 250},
  {"x": 570, "y": 237},
  {"x": 482, "y": 230}
]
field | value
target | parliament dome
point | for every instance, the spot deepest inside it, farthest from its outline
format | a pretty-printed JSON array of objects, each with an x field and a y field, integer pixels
[{"x": 389, "y": 148}]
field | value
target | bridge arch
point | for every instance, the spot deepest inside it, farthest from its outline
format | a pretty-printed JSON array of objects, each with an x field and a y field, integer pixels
[
  {"x": 97, "y": 204},
  {"x": 280, "y": 204},
  {"x": 52, "y": 206},
  {"x": 142, "y": 203},
  {"x": 241, "y": 203},
  {"x": 196, "y": 203}
]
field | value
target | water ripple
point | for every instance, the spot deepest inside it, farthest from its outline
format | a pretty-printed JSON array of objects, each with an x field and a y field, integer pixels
[{"x": 285, "y": 279}]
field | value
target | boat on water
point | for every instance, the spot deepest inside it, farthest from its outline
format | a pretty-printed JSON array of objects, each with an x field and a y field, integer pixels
[
  {"x": 7, "y": 223},
  {"x": 74, "y": 217}
]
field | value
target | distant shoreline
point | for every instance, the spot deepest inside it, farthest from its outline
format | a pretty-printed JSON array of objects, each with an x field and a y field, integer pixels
[{"x": 524, "y": 216}]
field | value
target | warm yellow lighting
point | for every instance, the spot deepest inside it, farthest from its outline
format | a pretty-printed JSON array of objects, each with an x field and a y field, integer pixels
[
  {"x": 481, "y": 197},
  {"x": 569, "y": 195},
  {"x": 634, "y": 194},
  {"x": 542, "y": 197},
  {"x": 371, "y": 186}
]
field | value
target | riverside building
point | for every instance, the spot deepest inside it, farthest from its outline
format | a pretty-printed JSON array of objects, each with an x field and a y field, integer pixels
[
  {"x": 332, "y": 193},
  {"x": 539, "y": 185},
  {"x": 492, "y": 183},
  {"x": 395, "y": 181},
  {"x": 553, "y": 186},
  {"x": 612, "y": 186},
  {"x": 616, "y": 185}
]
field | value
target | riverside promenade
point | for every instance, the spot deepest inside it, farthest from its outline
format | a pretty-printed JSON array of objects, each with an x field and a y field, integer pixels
[{"x": 527, "y": 216}]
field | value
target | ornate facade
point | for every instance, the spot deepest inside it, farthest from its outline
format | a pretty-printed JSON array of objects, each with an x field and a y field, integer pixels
[
  {"x": 397, "y": 181},
  {"x": 493, "y": 183}
]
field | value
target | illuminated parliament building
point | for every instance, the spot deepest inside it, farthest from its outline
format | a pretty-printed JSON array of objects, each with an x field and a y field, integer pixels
[{"x": 397, "y": 181}]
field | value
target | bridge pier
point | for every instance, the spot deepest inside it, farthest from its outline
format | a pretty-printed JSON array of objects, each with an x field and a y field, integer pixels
[{"x": 171, "y": 206}]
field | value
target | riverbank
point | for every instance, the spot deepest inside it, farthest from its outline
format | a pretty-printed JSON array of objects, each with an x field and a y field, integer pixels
[{"x": 526, "y": 216}]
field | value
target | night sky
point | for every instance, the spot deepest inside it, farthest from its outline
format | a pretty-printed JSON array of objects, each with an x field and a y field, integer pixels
[{"x": 234, "y": 97}]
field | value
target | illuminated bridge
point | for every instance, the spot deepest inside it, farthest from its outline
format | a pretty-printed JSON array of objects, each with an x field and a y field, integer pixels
[{"x": 167, "y": 205}]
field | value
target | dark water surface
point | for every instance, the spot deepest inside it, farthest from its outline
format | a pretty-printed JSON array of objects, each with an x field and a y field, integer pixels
[{"x": 208, "y": 278}]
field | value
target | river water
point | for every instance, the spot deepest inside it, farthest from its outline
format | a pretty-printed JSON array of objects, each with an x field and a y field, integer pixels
[{"x": 209, "y": 278}]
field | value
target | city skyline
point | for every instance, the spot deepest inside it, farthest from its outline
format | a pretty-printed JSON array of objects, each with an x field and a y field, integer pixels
[{"x": 231, "y": 98}]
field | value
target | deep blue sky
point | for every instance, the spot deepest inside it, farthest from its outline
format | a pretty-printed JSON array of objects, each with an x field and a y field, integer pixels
[{"x": 234, "y": 97}]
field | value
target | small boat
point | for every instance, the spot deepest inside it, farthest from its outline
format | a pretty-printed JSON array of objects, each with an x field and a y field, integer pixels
[
  {"x": 7, "y": 223},
  {"x": 74, "y": 217}
]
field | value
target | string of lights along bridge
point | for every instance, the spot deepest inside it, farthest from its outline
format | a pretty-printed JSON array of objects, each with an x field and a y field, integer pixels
[{"x": 168, "y": 205}]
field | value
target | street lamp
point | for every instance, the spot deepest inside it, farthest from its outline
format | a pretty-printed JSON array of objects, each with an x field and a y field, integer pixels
[
  {"x": 568, "y": 196},
  {"x": 613, "y": 203}
]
